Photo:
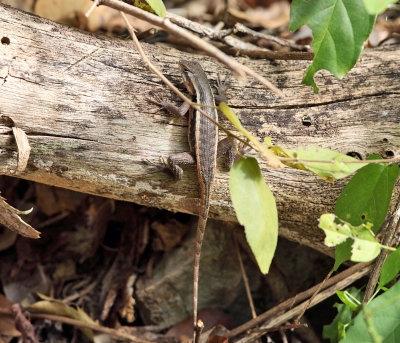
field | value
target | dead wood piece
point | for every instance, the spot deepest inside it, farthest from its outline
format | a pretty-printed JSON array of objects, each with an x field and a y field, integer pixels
[{"x": 81, "y": 100}]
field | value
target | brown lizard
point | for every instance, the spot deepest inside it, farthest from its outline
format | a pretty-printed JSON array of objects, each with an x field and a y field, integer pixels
[{"x": 203, "y": 142}]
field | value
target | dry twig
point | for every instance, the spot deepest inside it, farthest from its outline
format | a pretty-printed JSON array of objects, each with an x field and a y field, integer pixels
[
  {"x": 350, "y": 275},
  {"x": 390, "y": 230},
  {"x": 276, "y": 320},
  {"x": 238, "y": 68}
]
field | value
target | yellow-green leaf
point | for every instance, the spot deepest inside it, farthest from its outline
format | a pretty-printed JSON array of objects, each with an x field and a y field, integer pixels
[
  {"x": 365, "y": 246},
  {"x": 255, "y": 209},
  {"x": 334, "y": 168},
  {"x": 153, "y": 6},
  {"x": 57, "y": 307}
]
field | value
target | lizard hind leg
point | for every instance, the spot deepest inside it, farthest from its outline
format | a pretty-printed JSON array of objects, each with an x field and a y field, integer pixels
[{"x": 173, "y": 162}]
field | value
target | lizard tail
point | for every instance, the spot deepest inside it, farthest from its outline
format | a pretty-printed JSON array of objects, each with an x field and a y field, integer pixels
[{"x": 201, "y": 225}]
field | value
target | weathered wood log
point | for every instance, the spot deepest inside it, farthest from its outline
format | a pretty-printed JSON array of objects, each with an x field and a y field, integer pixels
[{"x": 81, "y": 99}]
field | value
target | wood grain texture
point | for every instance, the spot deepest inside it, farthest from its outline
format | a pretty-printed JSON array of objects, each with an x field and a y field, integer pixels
[{"x": 81, "y": 99}]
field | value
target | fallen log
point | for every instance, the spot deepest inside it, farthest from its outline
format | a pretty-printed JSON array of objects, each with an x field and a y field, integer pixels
[{"x": 82, "y": 100}]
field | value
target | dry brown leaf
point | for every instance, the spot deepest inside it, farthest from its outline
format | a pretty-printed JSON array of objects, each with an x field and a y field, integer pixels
[
  {"x": 218, "y": 339},
  {"x": 7, "y": 324},
  {"x": 52, "y": 200},
  {"x": 25, "y": 5},
  {"x": 24, "y": 149},
  {"x": 72, "y": 12},
  {"x": 271, "y": 18},
  {"x": 9, "y": 217},
  {"x": 170, "y": 234}
]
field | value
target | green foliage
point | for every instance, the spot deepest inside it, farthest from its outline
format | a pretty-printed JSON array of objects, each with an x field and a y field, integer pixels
[
  {"x": 337, "y": 169},
  {"x": 336, "y": 330},
  {"x": 158, "y": 7},
  {"x": 339, "y": 27},
  {"x": 365, "y": 246},
  {"x": 379, "y": 321},
  {"x": 348, "y": 299},
  {"x": 153, "y": 6},
  {"x": 365, "y": 198},
  {"x": 342, "y": 253},
  {"x": 334, "y": 167},
  {"x": 390, "y": 268},
  {"x": 377, "y": 6},
  {"x": 255, "y": 209},
  {"x": 57, "y": 307}
]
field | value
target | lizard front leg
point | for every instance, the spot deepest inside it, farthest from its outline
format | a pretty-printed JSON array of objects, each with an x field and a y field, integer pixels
[{"x": 173, "y": 162}]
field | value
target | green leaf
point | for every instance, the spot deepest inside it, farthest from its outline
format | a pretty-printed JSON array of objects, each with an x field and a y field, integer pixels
[
  {"x": 348, "y": 300},
  {"x": 335, "y": 166},
  {"x": 339, "y": 27},
  {"x": 329, "y": 171},
  {"x": 367, "y": 196},
  {"x": 158, "y": 7},
  {"x": 365, "y": 246},
  {"x": 390, "y": 268},
  {"x": 255, "y": 209},
  {"x": 377, "y": 6},
  {"x": 342, "y": 253},
  {"x": 336, "y": 330},
  {"x": 271, "y": 159},
  {"x": 381, "y": 316},
  {"x": 153, "y": 6}
]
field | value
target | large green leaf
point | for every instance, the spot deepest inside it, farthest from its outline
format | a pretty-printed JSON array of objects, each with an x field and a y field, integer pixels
[
  {"x": 255, "y": 209},
  {"x": 339, "y": 27},
  {"x": 367, "y": 195},
  {"x": 377, "y": 6},
  {"x": 380, "y": 317},
  {"x": 390, "y": 268},
  {"x": 365, "y": 198}
]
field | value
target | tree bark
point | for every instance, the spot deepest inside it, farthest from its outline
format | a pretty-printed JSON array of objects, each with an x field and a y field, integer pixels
[{"x": 81, "y": 99}]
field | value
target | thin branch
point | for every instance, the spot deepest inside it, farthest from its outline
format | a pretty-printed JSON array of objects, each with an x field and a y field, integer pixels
[
  {"x": 238, "y": 68},
  {"x": 245, "y": 280},
  {"x": 275, "y": 320},
  {"x": 299, "y": 160},
  {"x": 238, "y": 47},
  {"x": 271, "y": 55},
  {"x": 238, "y": 27},
  {"x": 297, "y": 320},
  {"x": 359, "y": 269},
  {"x": 99, "y": 328},
  {"x": 392, "y": 227}
]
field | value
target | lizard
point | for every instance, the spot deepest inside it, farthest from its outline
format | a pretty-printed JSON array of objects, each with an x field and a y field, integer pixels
[{"x": 204, "y": 148}]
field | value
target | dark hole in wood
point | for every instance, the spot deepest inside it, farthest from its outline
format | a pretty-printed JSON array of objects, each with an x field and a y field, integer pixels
[
  {"x": 5, "y": 40},
  {"x": 306, "y": 121},
  {"x": 355, "y": 155},
  {"x": 389, "y": 153},
  {"x": 385, "y": 140}
]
